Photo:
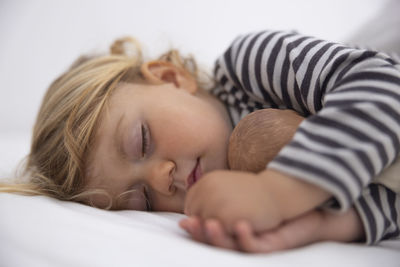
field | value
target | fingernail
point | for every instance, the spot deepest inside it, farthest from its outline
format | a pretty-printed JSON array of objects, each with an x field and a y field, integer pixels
[{"x": 182, "y": 223}]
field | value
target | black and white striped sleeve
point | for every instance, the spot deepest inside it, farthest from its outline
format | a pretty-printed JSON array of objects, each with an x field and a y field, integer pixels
[
  {"x": 379, "y": 210},
  {"x": 351, "y": 98}
]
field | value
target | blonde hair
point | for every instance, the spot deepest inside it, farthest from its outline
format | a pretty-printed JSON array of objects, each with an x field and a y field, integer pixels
[{"x": 69, "y": 114}]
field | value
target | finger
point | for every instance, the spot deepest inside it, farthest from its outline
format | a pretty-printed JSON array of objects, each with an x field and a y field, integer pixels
[
  {"x": 298, "y": 232},
  {"x": 185, "y": 224},
  {"x": 193, "y": 202},
  {"x": 246, "y": 239},
  {"x": 194, "y": 227},
  {"x": 217, "y": 236}
]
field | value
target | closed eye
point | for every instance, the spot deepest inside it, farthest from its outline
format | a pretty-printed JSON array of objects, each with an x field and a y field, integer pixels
[{"x": 145, "y": 140}]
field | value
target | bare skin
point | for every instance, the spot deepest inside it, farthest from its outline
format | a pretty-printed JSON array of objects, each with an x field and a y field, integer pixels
[
  {"x": 314, "y": 226},
  {"x": 155, "y": 134},
  {"x": 274, "y": 129}
]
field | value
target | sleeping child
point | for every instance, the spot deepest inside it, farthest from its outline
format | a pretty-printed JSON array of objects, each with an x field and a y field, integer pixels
[
  {"x": 117, "y": 132},
  {"x": 254, "y": 142}
]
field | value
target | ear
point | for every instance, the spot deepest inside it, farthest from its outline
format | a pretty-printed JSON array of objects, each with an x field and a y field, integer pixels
[{"x": 159, "y": 72}]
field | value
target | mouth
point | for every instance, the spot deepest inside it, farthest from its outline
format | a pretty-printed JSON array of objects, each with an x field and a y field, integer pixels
[{"x": 195, "y": 175}]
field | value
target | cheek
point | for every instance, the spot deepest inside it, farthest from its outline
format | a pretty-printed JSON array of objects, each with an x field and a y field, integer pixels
[
  {"x": 177, "y": 131},
  {"x": 190, "y": 128}
]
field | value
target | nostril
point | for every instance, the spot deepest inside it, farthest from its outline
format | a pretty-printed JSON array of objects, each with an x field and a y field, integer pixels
[{"x": 170, "y": 171}]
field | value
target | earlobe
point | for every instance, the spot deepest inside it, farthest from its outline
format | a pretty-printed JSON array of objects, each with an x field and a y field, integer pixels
[{"x": 159, "y": 72}]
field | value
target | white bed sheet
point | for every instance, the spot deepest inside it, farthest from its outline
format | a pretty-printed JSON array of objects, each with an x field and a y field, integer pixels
[{"x": 40, "y": 231}]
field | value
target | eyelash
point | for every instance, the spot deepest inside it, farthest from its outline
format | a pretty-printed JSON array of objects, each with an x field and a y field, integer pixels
[
  {"x": 146, "y": 196},
  {"x": 145, "y": 145},
  {"x": 145, "y": 141}
]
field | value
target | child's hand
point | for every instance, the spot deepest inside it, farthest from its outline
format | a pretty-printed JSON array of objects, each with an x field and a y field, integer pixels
[
  {"x": 264, "y": 200},
  {"x": 314, "y": 226},
  {"x": 230, "y": 196}
]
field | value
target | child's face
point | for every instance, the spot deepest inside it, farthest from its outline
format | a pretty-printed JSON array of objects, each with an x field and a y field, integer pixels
[{"x": 181, "y": 130}]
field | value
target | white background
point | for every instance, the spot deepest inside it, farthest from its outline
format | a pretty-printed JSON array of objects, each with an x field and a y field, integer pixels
[{"x": 39, "y": 39}]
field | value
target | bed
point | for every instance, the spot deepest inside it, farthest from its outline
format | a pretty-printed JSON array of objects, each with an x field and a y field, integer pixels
[{"x": 40, "y": 231}]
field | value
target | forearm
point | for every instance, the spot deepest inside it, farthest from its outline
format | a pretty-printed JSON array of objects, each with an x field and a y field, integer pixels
[
  {"x": 343, "y": 227},
  {"x": 292, "y": 196}
]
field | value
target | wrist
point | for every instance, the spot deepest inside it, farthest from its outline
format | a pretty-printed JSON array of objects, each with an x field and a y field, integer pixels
[
  {"x": 292, "y": 195},
  {"x": 343, "y": 227}
]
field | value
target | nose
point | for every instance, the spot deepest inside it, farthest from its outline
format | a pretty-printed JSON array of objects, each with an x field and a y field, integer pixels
[{"x": 161, "y": 177}]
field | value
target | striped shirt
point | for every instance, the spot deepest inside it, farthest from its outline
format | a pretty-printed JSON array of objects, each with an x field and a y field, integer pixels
[{"x": 351, "y": 101}]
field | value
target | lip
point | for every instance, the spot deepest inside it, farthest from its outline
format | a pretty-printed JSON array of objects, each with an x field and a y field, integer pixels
[{"x": 195, "y": 175}]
